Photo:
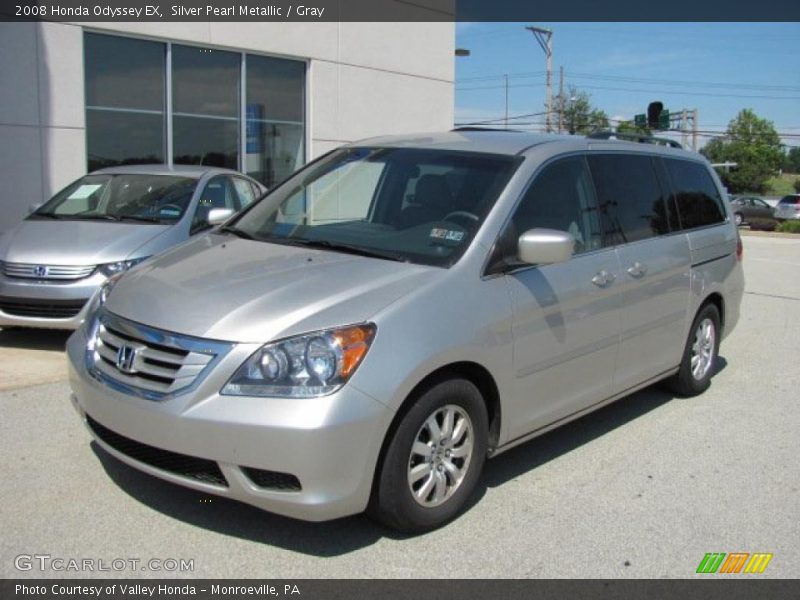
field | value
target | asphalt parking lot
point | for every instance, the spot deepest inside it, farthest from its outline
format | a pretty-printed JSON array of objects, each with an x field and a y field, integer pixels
[{"x": 642, "y": 488}]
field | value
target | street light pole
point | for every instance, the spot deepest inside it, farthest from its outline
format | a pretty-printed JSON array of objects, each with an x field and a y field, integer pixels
[{"x": 545, "y": 39}]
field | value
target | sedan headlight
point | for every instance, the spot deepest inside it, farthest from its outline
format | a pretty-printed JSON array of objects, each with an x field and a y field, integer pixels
[
  {"x": 111, "y": 269},
  {"x": 303, "y": 366},
  {"x": 100, "y": 296}
]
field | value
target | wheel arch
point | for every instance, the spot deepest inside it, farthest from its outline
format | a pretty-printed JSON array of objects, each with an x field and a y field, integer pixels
[
  {"x": 469, "y": 370},
  {"x": 717, "y": 300}
]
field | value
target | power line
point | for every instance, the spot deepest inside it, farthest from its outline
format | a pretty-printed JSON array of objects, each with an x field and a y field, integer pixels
[
  {"x": 625, "y": 78},
  {"x": 522, "y": 75},
  {"x": 644, "y": 80},
  {"x": 622, "y": 89}
]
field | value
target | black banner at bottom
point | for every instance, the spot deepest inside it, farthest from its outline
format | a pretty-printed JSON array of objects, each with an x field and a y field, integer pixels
[{"x": 398, "y": 589}]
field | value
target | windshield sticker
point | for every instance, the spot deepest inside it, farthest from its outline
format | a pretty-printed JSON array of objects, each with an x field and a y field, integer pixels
[
  {"x": 84, "y": 191},
  {"x": 447, "y": 234}
]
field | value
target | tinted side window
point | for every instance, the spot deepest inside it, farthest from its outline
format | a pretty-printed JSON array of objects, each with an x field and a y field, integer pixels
[
  {"x": 698, "y": 200},
  {"x": 561, "y": 197},
  {"x": 630, "y": 196}
]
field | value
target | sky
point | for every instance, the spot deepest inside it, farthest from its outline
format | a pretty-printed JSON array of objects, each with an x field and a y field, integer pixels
[{"x": 716, "y": 68}]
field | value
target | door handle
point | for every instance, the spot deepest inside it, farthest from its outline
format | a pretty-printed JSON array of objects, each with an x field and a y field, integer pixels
[
  {"x": 603, "y": 278},
  {"x": 637, "y": 270}
]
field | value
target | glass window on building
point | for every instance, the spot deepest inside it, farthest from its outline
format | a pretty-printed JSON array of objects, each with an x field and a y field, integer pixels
[
  {"x": 129, "y": 118},
  {"x": 275, "y": 128},
  {"x": 124, "y": 86},
  {"x": 205, "y": 106}
]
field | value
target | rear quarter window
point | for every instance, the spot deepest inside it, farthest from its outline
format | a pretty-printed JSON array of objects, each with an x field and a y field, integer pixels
[{"x": 698, "y": 200}]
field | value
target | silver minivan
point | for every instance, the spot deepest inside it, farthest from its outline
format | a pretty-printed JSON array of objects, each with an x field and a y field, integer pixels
[
  {"x": 369, "y": 332},
  {"x": 102, "y": 224}
]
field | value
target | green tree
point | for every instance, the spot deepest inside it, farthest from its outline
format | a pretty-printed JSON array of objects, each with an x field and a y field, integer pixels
[
  {"x": 754, "y": 145},
  {"x": 791, "y": 163},
  {"x": 577, "y": 113},
  {"x": 630, "y": 127}
]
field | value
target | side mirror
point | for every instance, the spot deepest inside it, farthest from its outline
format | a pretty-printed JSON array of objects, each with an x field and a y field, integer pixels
[
  {"x": 217, "y": 216},
  {"x": 545, "y": 246},
  {"x": 32, "y": 208}
]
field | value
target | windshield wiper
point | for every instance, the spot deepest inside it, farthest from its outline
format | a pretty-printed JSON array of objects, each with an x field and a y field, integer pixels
[
  {"x": 139, "y": 218},
  {"x": 47, "y": 215},
  {"x": 237, "y": 232},
  {"x": 347, "y": 248},
  {"x": 97, "y": 217}
]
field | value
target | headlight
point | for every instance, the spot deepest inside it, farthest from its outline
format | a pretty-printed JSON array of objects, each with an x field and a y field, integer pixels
[
  {"x": 111, "y": 269},
  {"x": 303, "y": 366}
]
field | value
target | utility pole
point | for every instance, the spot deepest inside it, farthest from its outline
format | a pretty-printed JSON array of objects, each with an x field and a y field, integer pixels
[
  {"x": 684, "y": 124},
  {"x": 560, "y": 99},
  {"x": 681, "y": 121},
  {"x": 545, "y": 39},
  {"x": 505, "y": 77}
]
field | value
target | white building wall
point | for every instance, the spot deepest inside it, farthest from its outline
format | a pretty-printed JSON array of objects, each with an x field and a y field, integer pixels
[{"x": 364, "y": 79}]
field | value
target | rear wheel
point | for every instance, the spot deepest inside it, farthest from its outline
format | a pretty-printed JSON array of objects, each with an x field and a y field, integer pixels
[
  {"x": 738, "y": 219},
  {"x": 434, "y": 458},
  {"x": 700, "y": 354}
]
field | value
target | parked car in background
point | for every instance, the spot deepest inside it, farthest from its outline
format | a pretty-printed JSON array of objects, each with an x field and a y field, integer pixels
[
  {"x": 103, "y": 224},
  {"x": 788, "y": 207},
  {"x": 749, "y": 207},
  {"x": 375, "y": 327}
]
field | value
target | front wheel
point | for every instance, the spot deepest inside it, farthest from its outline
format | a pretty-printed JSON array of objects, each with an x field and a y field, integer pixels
[
  {"x": 434, "y": 458},
  {"x": 700, "y": 354},
  {"x": 738, "y": 219}
]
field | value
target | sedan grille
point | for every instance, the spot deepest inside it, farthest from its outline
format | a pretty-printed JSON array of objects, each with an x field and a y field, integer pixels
[
  {"x": 42, "y": 309},
  {"x": 46, "y": 272},
  {"x": 146, "y": 361}
]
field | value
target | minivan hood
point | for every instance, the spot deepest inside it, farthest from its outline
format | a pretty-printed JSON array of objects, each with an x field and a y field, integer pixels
[
  {"x": 66, "y": 242},
  {"x": 226, "y": 288}
]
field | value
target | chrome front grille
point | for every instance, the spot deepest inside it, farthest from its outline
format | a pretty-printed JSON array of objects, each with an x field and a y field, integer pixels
[
  {"x": 46, "y": 272},
  {"x": 148, "y": 362}
]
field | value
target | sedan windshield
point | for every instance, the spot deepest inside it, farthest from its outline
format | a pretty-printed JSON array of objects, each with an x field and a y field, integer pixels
[
  {"x": 412, "y": 205},
  {"x": 124, "y": 197}
]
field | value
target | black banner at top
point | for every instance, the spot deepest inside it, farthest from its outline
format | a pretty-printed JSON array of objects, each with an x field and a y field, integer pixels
[{"x": 398, "y": 10}]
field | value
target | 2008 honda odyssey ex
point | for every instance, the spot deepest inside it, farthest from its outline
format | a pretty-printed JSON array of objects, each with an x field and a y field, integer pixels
[{"x": 374, "y": 328}]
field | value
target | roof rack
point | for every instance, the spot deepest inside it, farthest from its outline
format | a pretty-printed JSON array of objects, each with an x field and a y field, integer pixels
[
  {"x": 634, "y": 137},
  {"x": 474, "y": 128}
]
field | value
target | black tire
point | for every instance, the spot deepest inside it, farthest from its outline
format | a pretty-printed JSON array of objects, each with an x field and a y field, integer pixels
[
  {"x": 684, "y": 383},
  {"x": 738, "y": 219},
  {"x": 392, "y": 502}
]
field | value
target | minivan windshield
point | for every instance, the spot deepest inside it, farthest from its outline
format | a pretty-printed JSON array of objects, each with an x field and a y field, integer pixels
[
  {"x": 405, "y": 204},
  {"x": 123, "y": 197}
]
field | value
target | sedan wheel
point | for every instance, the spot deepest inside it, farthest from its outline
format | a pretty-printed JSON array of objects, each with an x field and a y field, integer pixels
[{"x": 738, "y": 219}]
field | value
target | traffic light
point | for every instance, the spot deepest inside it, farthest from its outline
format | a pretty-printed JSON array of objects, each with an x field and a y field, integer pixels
[{"x": 653, "y": 115}]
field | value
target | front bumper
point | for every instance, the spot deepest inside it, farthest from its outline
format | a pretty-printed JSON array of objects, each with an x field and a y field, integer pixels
[
  {"x": 330, "y": 444},
  {"x": 32, "y": 303}
]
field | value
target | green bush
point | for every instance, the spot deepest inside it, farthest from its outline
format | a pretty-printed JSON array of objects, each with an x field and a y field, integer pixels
[
  {"x": 789, "y": 227},
  {"x": 763, "y": 224},
  {"x": 797, "y": 185}
]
